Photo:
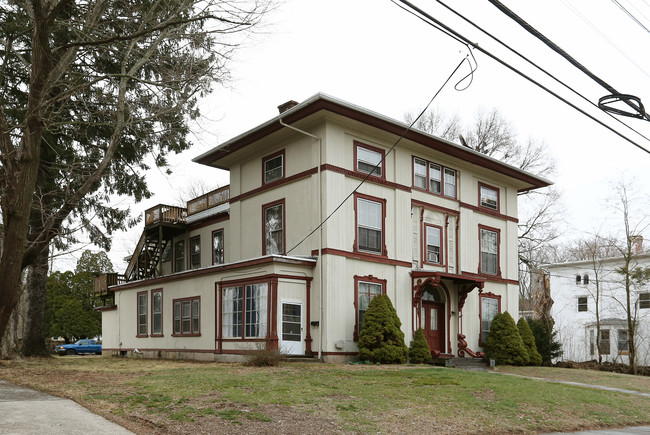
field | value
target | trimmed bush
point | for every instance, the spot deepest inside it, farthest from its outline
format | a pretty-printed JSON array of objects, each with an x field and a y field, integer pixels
[
  {"x": 545, "y": 341},
  {"x": 529, "y": 341},
  {"x": 419, "y": 352},
  {"x": 381, "y": 340},
  {"x": 503, "y": 343}
]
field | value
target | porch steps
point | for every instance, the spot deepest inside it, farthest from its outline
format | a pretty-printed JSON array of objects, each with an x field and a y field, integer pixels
[
  {"x": 478, "y": 364},
  {"x": 301, "y": 359}
]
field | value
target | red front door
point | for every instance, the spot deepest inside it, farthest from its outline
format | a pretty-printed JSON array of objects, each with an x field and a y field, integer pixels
[{"x": 434, "y": 325}]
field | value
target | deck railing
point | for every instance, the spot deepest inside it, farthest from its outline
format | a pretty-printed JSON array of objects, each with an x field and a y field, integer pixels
[
  {"x": 209, "y": 200},
  {"x": 165, "y": 214},
  {"x": 103, "y": 282}
]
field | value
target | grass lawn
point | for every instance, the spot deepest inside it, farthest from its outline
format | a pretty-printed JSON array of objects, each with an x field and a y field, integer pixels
[{"x": 149, "y": 396}]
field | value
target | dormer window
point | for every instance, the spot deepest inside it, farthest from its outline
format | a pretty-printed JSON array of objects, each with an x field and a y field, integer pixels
[
  {"x": 273, "y": 167},
  {"x": 369, "y": 160}
]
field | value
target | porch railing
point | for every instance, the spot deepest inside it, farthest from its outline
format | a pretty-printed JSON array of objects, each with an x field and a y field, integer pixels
[
  {"x": 165, "y": 214},
  {"x": 209, "y": 200}
]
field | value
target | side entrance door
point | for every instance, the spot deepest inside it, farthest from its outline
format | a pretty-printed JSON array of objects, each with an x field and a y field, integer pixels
[
  {"x": 434, "y": 325},
  {"x": 291, "y": 334}
]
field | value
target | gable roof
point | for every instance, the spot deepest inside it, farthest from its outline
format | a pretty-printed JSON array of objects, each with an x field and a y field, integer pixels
[{"x": 324, "y": 102}]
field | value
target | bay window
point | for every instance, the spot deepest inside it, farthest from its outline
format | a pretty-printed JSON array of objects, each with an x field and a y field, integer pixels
[{"x": 244, "y": 311}]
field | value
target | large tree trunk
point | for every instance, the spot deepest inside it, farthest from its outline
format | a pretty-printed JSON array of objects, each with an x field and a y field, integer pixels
[{"x": 35, "y": 303}]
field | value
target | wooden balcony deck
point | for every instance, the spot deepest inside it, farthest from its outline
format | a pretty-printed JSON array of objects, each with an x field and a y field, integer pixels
[
  {"x": 209, "y": 200},
  {"x": 103, "y": 282},
  {"x": 164, "y": 214}
]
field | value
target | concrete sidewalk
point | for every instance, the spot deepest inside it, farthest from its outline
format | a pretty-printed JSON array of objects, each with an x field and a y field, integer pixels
[{"x": 25, "y": 411}]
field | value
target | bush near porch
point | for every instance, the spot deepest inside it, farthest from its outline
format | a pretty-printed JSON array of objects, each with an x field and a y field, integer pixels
[{"x": 381, "y": 339}]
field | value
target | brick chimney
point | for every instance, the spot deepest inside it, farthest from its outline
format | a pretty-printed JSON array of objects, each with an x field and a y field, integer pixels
[
  {"x": 286, "y": 106},
  {"x": 637, "y": 244}
]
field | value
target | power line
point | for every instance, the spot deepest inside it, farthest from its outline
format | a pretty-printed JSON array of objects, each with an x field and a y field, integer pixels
[
  {"x": 465, "y": 59},
  {"x": 466, "y": 41},
  {"x": 629, "y": 14}
]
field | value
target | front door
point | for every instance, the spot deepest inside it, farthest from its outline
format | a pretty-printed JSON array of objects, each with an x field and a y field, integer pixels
[
  {"x": 434, "y": 325},
  {"x": 291, "y": 333}
]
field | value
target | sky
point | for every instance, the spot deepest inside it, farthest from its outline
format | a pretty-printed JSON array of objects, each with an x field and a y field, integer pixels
[{"x": 378, "y": 56}]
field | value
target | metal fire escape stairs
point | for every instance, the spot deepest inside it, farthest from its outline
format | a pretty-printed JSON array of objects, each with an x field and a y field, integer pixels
[{"x": 147, "y": 256}]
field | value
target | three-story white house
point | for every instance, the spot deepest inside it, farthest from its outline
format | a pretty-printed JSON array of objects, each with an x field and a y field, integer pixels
[{"x": 329, "y": 205}]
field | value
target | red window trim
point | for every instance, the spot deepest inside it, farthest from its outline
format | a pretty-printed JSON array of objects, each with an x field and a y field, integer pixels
[
  {"x": 498, "y": 231},
  {"x": 442, "y": 245},
  {"x": 137, "y": 313},
  {"x": 284, "y": 225},
  {"x": 357, "y": 280},
  {"x": 442, "y": 179},
  {"x": 188, "y": 334},
  {"x": 162, "y": 311},
  {"x": 488, "y": 209},
  {"x": 284, "y": 166},
  {"x": 271, "y": 315},
  {"x": 355, "y": 248},
  {"x": 192, "y": 267},
  {"x": 223, "y": 241},
  {"x": 480, "y": 312},
  {"x": 381, "y": 151}
]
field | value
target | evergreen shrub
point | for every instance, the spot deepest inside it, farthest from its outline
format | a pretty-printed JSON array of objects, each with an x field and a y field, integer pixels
[
  {"x": 503, "y": 343},
  {"x": 545, "y": 340},
  {"x": 381, "y": 340},
  {"x": 419, "y": 352},
  {"x": 529, "y": 341}
]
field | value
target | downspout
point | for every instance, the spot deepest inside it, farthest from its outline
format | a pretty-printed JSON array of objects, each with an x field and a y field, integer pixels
[{"x": 320, "y": 236}]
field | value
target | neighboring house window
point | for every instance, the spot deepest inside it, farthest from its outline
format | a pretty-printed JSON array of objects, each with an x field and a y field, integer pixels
[
  {"x": 370, "y": 225},
  {"x": 156, "y": 313},
  {"x": 603, "y": 344},
  {"x": 488, "y": 197},
  {"x": 419, "y": 173},
  {"x": 244, "y": 311},
  {"x": 429, "y": 176},
  {"x": 623, "y": 343},
  {"x": 583, "y": 303},
  {"x": 142, "y": 314},
  {"x": 366, "y": 288},
  {"x": 585, "y": 279},
  {"x": 369, "y": 160},
  {"x": 217, "y": 247},
  {"x": 490, "y": 306},
  {"x": 578, "y": 279},
  {"x": 592, "y": 344},
  {"x": 187, "y": 316},
  {"x": 179, "y": 256},
  {"x": 644, "y": 300},
  {"x": 433, "y": 254},
  {"x": 273, "y": 228},
  {"x": 489, "y": 241},
  {"x": 195, "y": 252},
  {"x": 273, "y": 167}
]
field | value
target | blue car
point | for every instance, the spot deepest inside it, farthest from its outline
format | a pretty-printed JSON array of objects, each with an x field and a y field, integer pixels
[{"x": 80, "y": 347}]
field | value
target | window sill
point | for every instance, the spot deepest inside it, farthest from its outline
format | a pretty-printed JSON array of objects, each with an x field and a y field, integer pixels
[
  {"x": 156, "y": 335},
  {"x": 187, "y": 335},
  {"x": 141, "y": 336}
]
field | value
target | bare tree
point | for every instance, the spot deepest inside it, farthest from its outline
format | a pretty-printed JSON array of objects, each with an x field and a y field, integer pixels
[{"x": 102, "y": 85}]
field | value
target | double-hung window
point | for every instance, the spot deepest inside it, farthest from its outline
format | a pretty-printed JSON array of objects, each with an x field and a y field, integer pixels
[
  {"x": 273, "y": 215},
  {"x": 273, "y": 167},
  {"x": 195, "y": 252},
  {"x": 488, "y": 197},
  {"x": 217, "y": 247},
  {"x": 244, "y": 311},
  {"x": 604, "y": 343},
  {"x": 187, "y": 316},
  {"x": 489, "y": 241},
  {"x": 583, "y": 303},
  {"x": 179, "y": 256},
  {"x": 433, "y": 254},
  {"x": 366, "y": 288},
  {"x": 644, "y": 300},
  {"x": 623, "y": 342},
  {"x": 434, "y": 178},
  {"x": 142, "y": 314},
  {"x": 370, "y": 225},
  {"x": 490, "y": 306},
  {"x": 369, "y": 160},
  {"x": 156, "y": 312}
]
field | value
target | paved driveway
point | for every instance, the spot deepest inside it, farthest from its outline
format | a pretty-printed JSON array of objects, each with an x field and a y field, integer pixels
[{"x": 25, "y": 411}]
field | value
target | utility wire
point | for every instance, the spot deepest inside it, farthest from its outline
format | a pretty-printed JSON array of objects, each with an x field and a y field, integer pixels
[
  {"x": 538, "y": 67},
  {"x": 530, "y": 29},
  {"x": 465, "y": 59},
  {"x": 629, "y": 14},
  {"x": 515, "y": 70}
]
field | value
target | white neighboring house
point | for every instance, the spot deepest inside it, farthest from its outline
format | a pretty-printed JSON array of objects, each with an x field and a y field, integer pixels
[
  {"x": 433, "y": 226},
  {"x": 573, "y": 289}
]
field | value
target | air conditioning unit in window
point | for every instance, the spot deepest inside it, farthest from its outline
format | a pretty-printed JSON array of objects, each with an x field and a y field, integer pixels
[{"x": 432, "y": 257}]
